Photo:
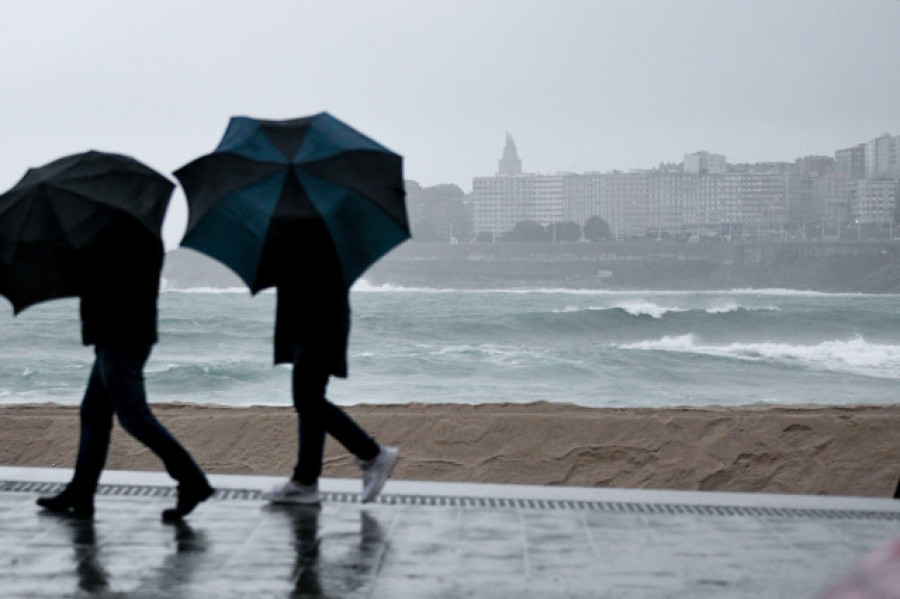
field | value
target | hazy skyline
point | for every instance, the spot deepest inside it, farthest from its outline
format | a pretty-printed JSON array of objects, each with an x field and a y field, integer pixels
[{"x": 580, "y": 85}]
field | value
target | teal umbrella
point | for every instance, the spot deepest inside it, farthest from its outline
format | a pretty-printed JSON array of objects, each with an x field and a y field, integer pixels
[{"x": 315, "y": 172}]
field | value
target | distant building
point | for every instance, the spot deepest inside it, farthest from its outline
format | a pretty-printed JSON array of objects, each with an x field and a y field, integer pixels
[
  {"x": 883, "y": 157},
  {"x": 801, "y": 203},
  {"x": 851, "y": 162},
  {"x": 704, "y": 163},
  {"x": 832, "y": 195},
  {"x": 758, "y": 198},
  {"x": 620, "y": 199},
  {"x": 438, "y": 214},
  {"x": 702, "y": 196},
  {"x": 511, "y": 196},
  {"x": 498, "y": 203},
  {"x": 581, "y": 198},
  {"x": 873, "y": 201},
  {"x": 810, "y": 167},
  {"x": 548, "y": 205},
  {"x": 670, "y": 202},
  {"x": 510, "y": 163}
]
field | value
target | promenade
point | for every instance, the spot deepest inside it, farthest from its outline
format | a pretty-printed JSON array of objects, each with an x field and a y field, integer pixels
[{"x": 425, "y": 540}]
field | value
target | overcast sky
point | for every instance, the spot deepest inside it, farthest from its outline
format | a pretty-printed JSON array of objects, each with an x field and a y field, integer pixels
[{"x": 581, "y": 85}]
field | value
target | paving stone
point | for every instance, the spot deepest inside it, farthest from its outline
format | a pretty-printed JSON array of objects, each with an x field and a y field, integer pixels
[{"x": 242, "y": 547}]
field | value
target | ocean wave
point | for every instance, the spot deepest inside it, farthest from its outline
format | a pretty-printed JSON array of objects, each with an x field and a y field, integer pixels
[
  {"x": 199, "y": 373},
  {"x": 802, "y": 293},
  {"x": 365, "y": 285},
  {"x": 496, "y": 355},
  {"x": 646, "y": 308},
  {"x": 853, "y": 356},
  {"x": 210, "y": 290}
]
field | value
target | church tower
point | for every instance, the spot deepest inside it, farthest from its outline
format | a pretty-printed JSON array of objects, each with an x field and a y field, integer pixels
[{"x": 510, "y": 163}]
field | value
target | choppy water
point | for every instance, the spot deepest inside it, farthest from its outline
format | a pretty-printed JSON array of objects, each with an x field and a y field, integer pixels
[{"x": 593, "y": 348}]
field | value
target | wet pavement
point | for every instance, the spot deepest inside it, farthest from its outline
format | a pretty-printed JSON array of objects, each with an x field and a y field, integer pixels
[{"x": 431, "y": 540}]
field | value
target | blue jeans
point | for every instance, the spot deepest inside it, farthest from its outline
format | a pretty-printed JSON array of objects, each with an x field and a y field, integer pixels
[
  {"x": 116, "y": 386},
  {"x": 317, "y": 416}
]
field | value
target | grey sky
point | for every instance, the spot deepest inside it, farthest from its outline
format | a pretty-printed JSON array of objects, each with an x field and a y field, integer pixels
[{"x": 581, "y": 85}]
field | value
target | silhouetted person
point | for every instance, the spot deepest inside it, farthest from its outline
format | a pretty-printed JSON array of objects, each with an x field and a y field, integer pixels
[
  {"x": 119, "y": 318},
  {"x": 312, "y": 326}
]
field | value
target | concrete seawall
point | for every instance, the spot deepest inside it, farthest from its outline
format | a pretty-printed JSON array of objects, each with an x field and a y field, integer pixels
[{"x": 830, "y": 267}]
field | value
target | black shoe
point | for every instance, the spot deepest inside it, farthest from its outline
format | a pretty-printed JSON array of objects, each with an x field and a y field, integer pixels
[
  {"x": 188, "y": 499},
  {"x": 69, "y": 505}
]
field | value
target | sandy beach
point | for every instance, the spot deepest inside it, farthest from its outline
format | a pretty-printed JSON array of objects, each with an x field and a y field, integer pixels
[{"x": 852, "y": 450}]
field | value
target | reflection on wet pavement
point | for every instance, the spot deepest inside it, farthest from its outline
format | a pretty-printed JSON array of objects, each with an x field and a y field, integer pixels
[{"x": 246, "y": 548}]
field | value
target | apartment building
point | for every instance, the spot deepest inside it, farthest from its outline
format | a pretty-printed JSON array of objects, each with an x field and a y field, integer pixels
[
  {"x": 873, "y": 201},
  {"x": 438, "y": 213},
  {"x": 511, "y": 196},
  {"x": 851, "y": 162},
  {"x": 882, "y": 157},
  {"x": 704, "y": 163},
  {"x": 831, "y": 199},
  {"x": 702, "y": 195}
]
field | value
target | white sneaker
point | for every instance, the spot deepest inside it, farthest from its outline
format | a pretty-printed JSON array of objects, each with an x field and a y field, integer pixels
[
  {"x": 294, "y": 492},
  {"x": 377, "y": 471}
]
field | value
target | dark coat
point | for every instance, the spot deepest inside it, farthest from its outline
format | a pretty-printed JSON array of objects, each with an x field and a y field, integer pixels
[
  {"x": 313, "y": 306},
  {"x": 121, "y": 286},
  {"x": 317, "y": 322}
]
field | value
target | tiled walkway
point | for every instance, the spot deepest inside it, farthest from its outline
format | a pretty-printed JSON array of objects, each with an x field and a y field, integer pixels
[{"x": 432, "y": 540}]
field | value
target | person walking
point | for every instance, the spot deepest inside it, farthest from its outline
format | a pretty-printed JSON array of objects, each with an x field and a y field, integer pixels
[
  {"x": 120, "y": 287},
  {"x": 312, "y": 327}
]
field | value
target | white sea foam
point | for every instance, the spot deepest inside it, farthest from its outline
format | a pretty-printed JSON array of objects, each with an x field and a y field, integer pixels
[
  {"x": 729, "y": 307},
  {"x": 364, "y": 286},
  {"x": 645, "y": 308},
  {"x": 854, "y": 356},
  {"x": 725, "y": 308},
  {"x": 499, "y": 355},
  {"x": 640, "y": 307}
]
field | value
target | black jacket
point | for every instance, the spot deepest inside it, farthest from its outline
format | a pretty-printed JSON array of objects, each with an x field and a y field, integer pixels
[
  {"x": 313, "y": 306},
  {"x": 316, "y": 321},
  {"x": 121, "y": 286}
]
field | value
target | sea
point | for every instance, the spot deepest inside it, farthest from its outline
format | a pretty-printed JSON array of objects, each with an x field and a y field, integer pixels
[{"x": 594, "y": 348}]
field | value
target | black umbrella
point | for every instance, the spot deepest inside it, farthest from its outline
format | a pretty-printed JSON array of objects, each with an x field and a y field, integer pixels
[
  {"x": 58, "y": 210},
  {"x": 315, "y": 171}
]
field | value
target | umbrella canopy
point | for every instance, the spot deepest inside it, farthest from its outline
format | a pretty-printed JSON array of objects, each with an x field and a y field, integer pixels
[
  {"x": 313, "y": 170},
  {"x": 56, "y": 211}
]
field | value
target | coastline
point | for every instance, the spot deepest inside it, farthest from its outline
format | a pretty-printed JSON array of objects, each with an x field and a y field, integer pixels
[
  {"x": 809, "y": 449},
  {"x": 647, "y": 265}
]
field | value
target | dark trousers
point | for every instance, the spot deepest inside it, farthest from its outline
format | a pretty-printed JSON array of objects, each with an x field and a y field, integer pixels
[
  {"x": 317, "y": 416},
  {"x": 116, "y": 386}
]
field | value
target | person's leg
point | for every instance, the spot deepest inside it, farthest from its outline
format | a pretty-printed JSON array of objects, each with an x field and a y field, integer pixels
[
  {"x": 96, "y": 425},
  {"x": 317, "y": 416},
  {"x": 308, "y": 387},
  {"x": 122, "y": 373},
  {"x": 96, "y": 415}
]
